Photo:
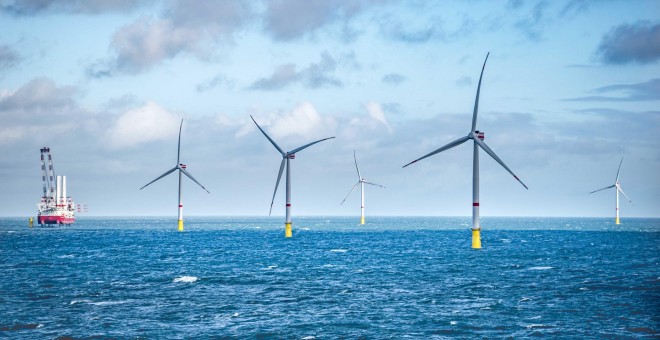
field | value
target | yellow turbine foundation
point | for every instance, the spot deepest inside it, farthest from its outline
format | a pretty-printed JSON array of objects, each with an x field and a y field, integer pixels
[
  {"x": 476, "y": 239},
  {"x": 30, "y": 221},
  {"x": 362, "y": 220},
  {"x": 617, "y": 221},
  {"x": 180, "y": 225},
  {"x": 287, "y": 230}
]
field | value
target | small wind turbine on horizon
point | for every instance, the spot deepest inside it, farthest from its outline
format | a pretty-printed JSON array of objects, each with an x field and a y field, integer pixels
[
  {"x": 182, "y": 170},
  {"x": 616, "y": 185},
  {"x": 477, "y": 137},
  {"x": 286, "y": 157},
  {"x": 361, "y": 182}
]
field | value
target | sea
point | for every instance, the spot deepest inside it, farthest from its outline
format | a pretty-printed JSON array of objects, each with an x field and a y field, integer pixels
[{"x": 392, "y": 278}]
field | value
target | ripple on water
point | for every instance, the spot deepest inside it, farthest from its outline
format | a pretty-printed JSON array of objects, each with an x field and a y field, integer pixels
[
  {"x": 19, "y": 327},
  {"x": 128, "y": 279}
]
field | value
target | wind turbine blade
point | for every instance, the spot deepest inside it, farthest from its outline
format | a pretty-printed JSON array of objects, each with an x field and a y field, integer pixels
[
  {"x": 308, "y": 145},
  {"x": 191, "y": 177},
  {"x": 277, "y": 184},
  {"x": 617, "y": 172},
  {"x": 349, "y": 193},
  {"x": 611, "y": 186},
  {"x": 356, "y": 166},
  {"x": 271, "y": 141},
  {"x": 624, "y": 194},
  {"x": 178, "y": 151},
  {"x": 378, "y": 185},
  {"x": 476, "y": 101},
  {"x": 161, "y": 176},
  {"x": 492, "y": 154},
  {"x": 446, "y": 147}
]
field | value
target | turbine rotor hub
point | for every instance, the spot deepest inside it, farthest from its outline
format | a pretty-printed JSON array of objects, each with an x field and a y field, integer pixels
[{"x": 476, "y": 134}]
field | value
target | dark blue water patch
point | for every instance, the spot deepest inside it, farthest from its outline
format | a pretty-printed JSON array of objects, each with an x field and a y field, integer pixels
[{"x": 125, "y": 278}]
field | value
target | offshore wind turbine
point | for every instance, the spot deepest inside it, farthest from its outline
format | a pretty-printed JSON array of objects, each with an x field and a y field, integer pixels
[
  {"x": 182, "y": 170},
  {"x": 616, "y": 185},
  {"x": 477, "y": 137},
  {"x": 286, "y": 157},
  {"x": 361, "y": 182}
]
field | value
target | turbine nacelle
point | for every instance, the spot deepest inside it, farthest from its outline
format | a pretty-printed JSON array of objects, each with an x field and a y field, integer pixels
[{"x": 477, "y": 134}]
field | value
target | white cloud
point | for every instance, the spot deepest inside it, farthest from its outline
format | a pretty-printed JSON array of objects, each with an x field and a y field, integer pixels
[
  {"x": 183, "y": 28},
  {"x": 309, "y": 16},
  {"x": 39, "y": 105},
  {"x": 144, "y": 124},
  {"x": 376, "y": 112},
  {"x": 12, "y": 133},
  {"x": 146, "y": 42},
  {"x": 303, "y": 120},
  {"x": 316, "y": 75},
  {"x": 29, "y": 8}
]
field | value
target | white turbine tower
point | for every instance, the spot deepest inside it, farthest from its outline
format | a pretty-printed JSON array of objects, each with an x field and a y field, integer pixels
[
  {"x": 286, "y": 156},
  {"x": 361, "y": 182},
  {"x": 182, "y": 170},
  {"x": 477, "y": 137},
  {"x": 616, "y": 185}
]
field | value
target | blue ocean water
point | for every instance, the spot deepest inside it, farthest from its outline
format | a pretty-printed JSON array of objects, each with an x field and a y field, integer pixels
[{"x": 394, "y": 277}]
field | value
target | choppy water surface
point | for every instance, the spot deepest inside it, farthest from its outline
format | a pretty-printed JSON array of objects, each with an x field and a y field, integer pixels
[{"x": 393, "y": 278}]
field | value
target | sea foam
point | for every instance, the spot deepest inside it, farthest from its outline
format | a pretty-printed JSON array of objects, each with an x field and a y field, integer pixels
[{"x": 185, "y": 279}]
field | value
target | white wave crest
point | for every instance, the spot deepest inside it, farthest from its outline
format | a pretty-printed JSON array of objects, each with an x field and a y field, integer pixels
[
  {"x": 109, "y": 303},
  {"x": 540, "y": 268},
  {"x": 339, "y": 250},
  {"x": 185, "y": 279},
  {"x": 538, "y": 325},
  {"x": 73, "y": 302}
]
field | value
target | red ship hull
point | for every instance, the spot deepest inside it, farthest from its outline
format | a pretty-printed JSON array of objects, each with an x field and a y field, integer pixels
[{"x": 55, "y": 220}]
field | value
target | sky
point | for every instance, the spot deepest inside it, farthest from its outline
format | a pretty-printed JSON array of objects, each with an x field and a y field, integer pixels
[{"x": 570, "y": 87}]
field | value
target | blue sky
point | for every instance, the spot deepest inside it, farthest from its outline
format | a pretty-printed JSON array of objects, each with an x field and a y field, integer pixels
[{"x": 570, "y": 87}]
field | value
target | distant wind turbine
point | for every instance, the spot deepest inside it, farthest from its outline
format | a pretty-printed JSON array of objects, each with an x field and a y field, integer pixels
[
  {"x": 616, "y": 185},
  {"x": 286, "y": 156},
  {"x": 361, "y": 182},
  {"x": 478, "y": 138},
  {"x": 182, "y": 170}
]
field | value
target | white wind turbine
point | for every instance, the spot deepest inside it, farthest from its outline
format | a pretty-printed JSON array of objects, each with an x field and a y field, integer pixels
[
  {"x": 361, "y": 182},
  {"x": 477, "y": 137},
  {"x": 616, "y": 185},
  {"x": 286, "y": 156},
  {"x": 182, "y": 170}
]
